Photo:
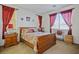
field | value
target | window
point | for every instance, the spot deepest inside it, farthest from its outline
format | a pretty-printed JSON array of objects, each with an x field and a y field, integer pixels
[{"x": 59, "y": 22}]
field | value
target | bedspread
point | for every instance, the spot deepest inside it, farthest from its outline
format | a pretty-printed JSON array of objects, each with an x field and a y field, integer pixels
[{"x": 32, "y": 38}]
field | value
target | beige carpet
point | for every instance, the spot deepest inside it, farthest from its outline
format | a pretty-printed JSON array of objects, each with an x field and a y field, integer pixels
[
  {"x": 21, "y": 48},
  {"x": 59, "y": 48},
  {"x": 63, "y": 48}
]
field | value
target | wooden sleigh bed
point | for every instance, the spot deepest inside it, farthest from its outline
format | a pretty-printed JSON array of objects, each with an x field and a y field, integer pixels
[{"x": 39, "y": 43}]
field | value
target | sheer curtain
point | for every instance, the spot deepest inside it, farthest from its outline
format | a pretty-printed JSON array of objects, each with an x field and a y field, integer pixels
[{"x": 52, "y": 20}]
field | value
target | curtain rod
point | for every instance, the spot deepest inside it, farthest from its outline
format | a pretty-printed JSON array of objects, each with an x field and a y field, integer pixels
[
  {"x": 68, "y": 9},
  {"x": 9, "y": 6}
]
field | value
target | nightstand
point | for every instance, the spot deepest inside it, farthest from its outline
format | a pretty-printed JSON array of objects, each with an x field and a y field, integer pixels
[
  {"x": 10, "y": 39},
  {"x": 68, "y": 39}
]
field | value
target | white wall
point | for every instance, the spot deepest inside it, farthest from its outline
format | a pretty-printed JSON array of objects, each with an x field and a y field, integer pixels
[
  {"x": 0, "y": 20},
  {"x": 1, "y": 41},
  {"x": 75, "y": 21},
  {"x": 23, "y": 14},
  {"x": 75, "y": 24},
  {"x": 46, "y": 22}
]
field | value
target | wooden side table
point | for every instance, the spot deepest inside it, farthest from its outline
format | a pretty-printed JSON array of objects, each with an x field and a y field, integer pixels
[
  {"x": 10, "y": 39},
  {"x": 68, "y": 39}
]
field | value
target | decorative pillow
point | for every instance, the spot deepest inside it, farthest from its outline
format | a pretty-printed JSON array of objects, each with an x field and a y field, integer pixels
[{"x": 31, "y": 30}]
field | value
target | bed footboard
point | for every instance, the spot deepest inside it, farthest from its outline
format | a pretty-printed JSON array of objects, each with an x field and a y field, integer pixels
[{"x": 45, "y": 42}]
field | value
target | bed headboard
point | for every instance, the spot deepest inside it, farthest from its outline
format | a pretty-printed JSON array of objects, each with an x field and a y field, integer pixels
[{"x": 21, "y": 29}]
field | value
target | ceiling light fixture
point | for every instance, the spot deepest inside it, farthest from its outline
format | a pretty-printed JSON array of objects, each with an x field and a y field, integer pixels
[{"x": 54, "y": 5}]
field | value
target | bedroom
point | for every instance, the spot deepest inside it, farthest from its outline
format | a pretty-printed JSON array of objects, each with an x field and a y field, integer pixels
[{"x": 37, "y": 18}]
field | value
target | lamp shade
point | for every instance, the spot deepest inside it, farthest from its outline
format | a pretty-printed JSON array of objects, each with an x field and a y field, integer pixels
[{"x": 10, "y": 26}]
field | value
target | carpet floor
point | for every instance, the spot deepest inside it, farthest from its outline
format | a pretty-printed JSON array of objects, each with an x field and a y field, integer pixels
[{"x": 60, "y": 48}]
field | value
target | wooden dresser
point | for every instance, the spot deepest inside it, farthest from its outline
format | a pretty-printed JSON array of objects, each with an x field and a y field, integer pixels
[{"x": 10, "y": 39}]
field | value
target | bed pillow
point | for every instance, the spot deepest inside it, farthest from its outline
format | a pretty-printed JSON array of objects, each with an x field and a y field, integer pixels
[{"x": 30, "y": 30}]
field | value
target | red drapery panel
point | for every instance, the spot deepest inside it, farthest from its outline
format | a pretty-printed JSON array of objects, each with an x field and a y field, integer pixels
[
  {"x": 7, "y": 13},
  {"x": 40, "y": 22},
  {"x": 67, "y": 18},
  {"x": 52, "y": 20}
]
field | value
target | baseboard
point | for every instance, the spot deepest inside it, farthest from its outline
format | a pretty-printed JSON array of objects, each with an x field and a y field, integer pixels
[{"x": 76, "y": 43}]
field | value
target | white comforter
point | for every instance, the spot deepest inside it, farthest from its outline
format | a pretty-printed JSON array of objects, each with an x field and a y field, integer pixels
[{"x": 33, "y": 37}]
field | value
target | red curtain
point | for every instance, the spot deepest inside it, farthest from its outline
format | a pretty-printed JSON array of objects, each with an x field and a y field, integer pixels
[
  {"x": 67, "y": 18},
  {"x": 40, "y": 22},
  {"x": 52, "y": 20},
  {"x": 7, "y": 13}
]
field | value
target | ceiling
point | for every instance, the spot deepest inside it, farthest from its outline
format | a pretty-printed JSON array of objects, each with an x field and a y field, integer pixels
[{"x": 39, "y": 8}]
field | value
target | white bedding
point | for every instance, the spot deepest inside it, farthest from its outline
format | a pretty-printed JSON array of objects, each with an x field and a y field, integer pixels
[
  {"x": 33, "y": 38},
  {"x": 38, "y": 33}
]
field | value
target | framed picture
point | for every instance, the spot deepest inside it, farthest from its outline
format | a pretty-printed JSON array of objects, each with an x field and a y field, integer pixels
[{"x": 27, "y": 18}]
